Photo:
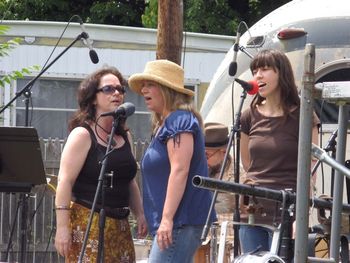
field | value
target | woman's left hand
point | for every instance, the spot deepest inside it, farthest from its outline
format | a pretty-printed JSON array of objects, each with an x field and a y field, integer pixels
[
  {"x": 141, "y": 226},
  {"x": 164, "y": 234}
]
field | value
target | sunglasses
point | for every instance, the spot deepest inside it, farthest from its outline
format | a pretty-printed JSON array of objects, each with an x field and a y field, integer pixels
[{"x": 110, "y": 89}]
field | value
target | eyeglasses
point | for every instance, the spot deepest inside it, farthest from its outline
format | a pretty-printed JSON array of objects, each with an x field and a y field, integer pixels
[{"x": 109, "y": 89}]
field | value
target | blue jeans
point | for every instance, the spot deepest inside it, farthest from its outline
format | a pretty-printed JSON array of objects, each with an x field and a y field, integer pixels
[
  {"x": 253, "y": 237},
  {"x": 186, "y": 240}
]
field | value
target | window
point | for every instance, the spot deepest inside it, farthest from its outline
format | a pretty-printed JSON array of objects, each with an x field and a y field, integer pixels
[{"x": 54, "y": 102}]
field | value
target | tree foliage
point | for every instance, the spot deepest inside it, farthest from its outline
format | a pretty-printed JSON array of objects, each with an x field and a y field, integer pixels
[
  {"x": 202, "y": 16},
  {"x": 216, "y": 16},
  {"x": 210, "y": 16},
  {"x": 122, "y": 12},
  {"x": 149, "y": 18}
]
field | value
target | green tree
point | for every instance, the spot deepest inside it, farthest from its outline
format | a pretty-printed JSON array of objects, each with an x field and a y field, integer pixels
[
  {"x": 127, "y": 13},
  {"x": 210, "y": 16},
  {"x": 253, "y": 10},
  {"x": 149, "y": 18},
  {"x": 202, "y": 16},
  {"x": 216, "y": 16},
  {"x": 41, "y": 10},
  {"x": 122, "y": 12}
]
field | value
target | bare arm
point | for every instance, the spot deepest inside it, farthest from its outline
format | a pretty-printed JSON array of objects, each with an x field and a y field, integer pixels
[
  {"x": 136, "y": 201},
  {"x": 72, "y": 160},
  {"x": 137, "y": 209},
  {"x": 180, "y": 155},
  {"x": 245, "y": 157}
]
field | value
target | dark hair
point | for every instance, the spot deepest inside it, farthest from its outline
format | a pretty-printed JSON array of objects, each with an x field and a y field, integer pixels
[
  {"x": 286, "y": 82},
  {"x": 86, "y": 96}
]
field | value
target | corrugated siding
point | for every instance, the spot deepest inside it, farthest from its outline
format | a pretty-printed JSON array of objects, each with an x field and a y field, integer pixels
[{"x": 76, "y": 61}]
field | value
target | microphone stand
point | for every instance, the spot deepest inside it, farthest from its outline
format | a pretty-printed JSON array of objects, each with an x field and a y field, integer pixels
[
  {"x": 234, "y": 130},
  {"x": 329, "y": 147},
  {"x": 244, "y": 50},
  {"x": 23, "y": 196},
  {"x": 237, "y": 128},
  {"x": 100, "y": 193}
]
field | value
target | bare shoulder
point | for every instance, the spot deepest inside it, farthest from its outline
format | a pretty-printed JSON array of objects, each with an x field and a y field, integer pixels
[
  {"x": 130, "y": 137},
  {"x": 80, "y": 132},
  {"x": 79, "y": 135}
]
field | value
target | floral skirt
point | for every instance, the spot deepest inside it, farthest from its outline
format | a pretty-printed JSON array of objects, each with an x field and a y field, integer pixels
[{"x": 118, "y": 243}]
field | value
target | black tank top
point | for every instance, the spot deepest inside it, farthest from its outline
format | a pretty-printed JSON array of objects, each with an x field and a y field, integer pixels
[{"x": 121, "y": 161}]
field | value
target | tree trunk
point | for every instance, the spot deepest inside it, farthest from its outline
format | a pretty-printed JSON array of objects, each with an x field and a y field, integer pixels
[{"x": 170, "y": 27}]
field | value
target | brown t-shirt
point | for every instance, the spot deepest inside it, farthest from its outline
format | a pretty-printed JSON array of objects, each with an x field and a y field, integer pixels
[{"x": 273, "y": 149}]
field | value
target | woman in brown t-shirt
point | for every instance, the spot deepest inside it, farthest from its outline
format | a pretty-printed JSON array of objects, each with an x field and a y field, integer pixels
[{"x": 269, "y": 141}]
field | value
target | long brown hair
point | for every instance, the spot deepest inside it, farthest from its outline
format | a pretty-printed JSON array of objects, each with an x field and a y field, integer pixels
[
  {"x": 286, "y": 82},
  {"x": 174, "y": 101},
  {"x": 86, "y": 96}
]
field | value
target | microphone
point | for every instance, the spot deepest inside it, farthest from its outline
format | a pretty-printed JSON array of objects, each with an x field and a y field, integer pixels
[
  {"x": 125, "y": 110},
  {"x": 251, "y": 87},
  {"x": 232, "y": 69},
  {"x": 87, "y": 41},
  {"x": 324, "y": 157}
]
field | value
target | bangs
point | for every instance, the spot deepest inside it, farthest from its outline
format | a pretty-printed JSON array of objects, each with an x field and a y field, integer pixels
[{"x": 263, "y": 59}]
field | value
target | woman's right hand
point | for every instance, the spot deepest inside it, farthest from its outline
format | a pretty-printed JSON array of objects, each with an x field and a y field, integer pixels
[{"x": 63, "y": 240}]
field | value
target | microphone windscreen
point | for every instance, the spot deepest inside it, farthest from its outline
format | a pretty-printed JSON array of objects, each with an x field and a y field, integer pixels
[
  {"x": 93, "y": 56},
  {"x": 128, "y": 108},
  {"x": 255, "y": 87},
  {"x": 232, "y": 69}
]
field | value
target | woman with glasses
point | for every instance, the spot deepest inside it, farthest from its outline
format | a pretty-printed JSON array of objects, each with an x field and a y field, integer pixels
[{"x": 102, "y": 91}]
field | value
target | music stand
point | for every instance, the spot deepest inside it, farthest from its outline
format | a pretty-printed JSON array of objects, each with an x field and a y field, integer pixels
[{"x": 21, "y": 165}]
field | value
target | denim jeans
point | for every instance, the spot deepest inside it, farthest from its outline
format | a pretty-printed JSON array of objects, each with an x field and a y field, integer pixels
[
  {"x": 253, "y": 237},
  {"x": 186, "y": 240}
]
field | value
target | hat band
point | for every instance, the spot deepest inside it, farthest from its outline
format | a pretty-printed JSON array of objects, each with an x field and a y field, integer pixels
[{"x": 216, "y": 144}]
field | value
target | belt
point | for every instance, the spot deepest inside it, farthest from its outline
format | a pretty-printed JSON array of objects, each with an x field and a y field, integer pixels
[{"x": 116, "y": 213}]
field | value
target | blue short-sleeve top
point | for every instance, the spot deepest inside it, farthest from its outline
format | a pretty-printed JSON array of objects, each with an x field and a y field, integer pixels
[{"x": 155, "y": 167}]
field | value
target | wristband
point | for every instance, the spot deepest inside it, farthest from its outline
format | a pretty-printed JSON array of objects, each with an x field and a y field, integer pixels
[{"x": 62, "y": 207}]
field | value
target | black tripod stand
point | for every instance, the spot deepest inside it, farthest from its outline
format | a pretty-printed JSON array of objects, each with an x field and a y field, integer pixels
[{"x": 235, "y": 130}]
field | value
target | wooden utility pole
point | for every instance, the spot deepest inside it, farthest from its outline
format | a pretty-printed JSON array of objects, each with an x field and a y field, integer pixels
[{"x": 170, "y": 30}]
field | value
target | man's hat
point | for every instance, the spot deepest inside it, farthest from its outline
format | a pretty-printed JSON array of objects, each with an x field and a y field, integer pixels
[{"x": 216, "y": 135}]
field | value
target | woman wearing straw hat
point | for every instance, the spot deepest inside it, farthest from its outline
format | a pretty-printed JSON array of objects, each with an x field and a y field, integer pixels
[{"x": 175, "y": 210}]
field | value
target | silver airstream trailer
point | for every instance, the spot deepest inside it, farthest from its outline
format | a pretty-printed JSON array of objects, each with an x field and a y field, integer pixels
[
  {"x": 326, "y": 24},
  {"x": 323, "y": 23}
]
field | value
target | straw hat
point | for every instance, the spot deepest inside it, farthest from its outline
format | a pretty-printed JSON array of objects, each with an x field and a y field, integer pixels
[
  {"x": 162, "y": 71},
  {"x": 216, "y": 135}
]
